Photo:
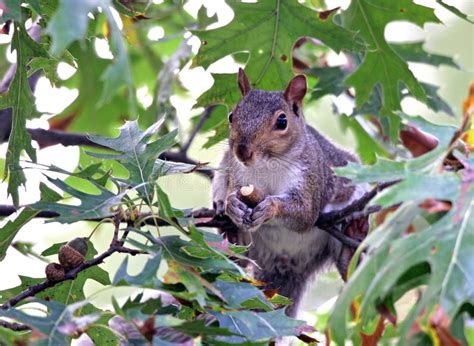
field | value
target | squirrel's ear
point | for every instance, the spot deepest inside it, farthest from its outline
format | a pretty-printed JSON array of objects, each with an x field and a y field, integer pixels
[
  {"x": 243, "y": 82},
  {"x": 296, "y": 89}
]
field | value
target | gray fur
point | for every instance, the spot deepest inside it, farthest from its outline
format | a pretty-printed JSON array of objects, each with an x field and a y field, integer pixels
[{"x": 298, "y": 184}]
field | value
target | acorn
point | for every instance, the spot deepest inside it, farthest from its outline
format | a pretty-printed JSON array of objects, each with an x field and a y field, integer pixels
[
  {"x": 73, "y": 253},
  {"x": 251, "y": 195},
  {"x": 54, "y": 272}
]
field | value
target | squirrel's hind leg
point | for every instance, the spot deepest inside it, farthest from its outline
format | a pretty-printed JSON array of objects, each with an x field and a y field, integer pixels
[
  {"x": 290, "y": 276},
  {"x": 287, "y": 284}
]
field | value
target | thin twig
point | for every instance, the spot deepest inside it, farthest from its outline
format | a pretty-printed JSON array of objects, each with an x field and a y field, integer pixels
[
  {"x": 344, "y": 239},
  {"x": 178, "y": 156},
  {"x": 334, "y": 217},
  {"x": 205, "y": 115},
  {"x": 207, "y": 217},
  {"x": 46, "y": 138},
  {"x": 17, "y": 327},
  {"x": 70, "y": 275}
]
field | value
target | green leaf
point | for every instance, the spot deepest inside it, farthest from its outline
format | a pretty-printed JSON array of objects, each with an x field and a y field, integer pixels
[
  {"x": 361, "y": 278},
  {"x": 119, "y": 72},
  {"x": 435, "y": 102},
  {"x": 86, "y": 114},
  {"x": 455, "y": 11},
  {"x": 413, "y": 188},
  {"x": 11, "y": 228},
  {"x": 58, "y": 324},
  {"x": 368, "y": 147},
  {"x": 22, "y": 102},
  {"x": 165, "y": 167},
  {"x": 12, "y": 11},
  {"x": 146, "y": 278},
  {"x": 330, "y": 81},
  {"x": 266, "y": 30},
  {"x": 415, "y": 52},
  {"x": 445, "y": 246},
  {"x": 199, "y": 328},
  {"x": 381, "y": 64},
  {"x": 9, "y": 231},
  {"x": 236, "y": 293},
  {"x": 49, "y": 67},
  {"x": 221, "y": 133},
  {"x": 92, "y": 206},
  {"x": 103, "y": 335},
  {"x": 224, "y": 90},
  {"x": 388, "y": 170},
  {"x": 69, "y": 24},
  {"x": 172, "y": 247},
  {"x": 257, "y": 326},
  {"x": 137, "y": 155}
]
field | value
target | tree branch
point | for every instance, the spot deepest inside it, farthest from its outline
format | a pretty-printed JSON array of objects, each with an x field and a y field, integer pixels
[
  {"x": 344, "y": 239},
  {"x": 207, "y": 113},
  {"x": 202, "y": 218},
  {"x": 207, "y": 218},
  {"x": 70, "y": 275},
  {"x": 17, "y": 327},
  {"x": 46, "y": 138},
  {"x": 338, "y": 216}
]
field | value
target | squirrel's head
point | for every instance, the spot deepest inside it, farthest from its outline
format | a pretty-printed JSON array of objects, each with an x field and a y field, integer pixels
[{"x": 266, "y": 123}]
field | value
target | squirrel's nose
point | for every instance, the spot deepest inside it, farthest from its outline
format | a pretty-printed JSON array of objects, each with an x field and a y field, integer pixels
[{"x": 244, "y": 153}]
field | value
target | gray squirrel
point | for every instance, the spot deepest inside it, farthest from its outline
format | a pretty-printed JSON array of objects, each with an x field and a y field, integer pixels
[{"x": 272, "y": 148}]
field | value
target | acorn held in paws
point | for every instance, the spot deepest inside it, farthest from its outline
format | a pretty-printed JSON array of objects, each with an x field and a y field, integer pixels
[
  {"x": 251, "y": 195},
  {"x": 54, "y": 272},
  {"x": 73, "y": 253}
]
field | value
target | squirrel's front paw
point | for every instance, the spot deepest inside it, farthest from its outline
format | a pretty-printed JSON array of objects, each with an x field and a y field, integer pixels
[
  {"x": 219, "y": 207},
  {"x": 237, "y": 210},
  {"x": 263, "y": 212}
]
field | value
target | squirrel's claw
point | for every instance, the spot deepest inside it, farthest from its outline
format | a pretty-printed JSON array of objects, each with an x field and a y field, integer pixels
[
  {"x": 219, "y": 207},
  {"x": 236, "y": 210},
  {"x": 263, "y": 212}
]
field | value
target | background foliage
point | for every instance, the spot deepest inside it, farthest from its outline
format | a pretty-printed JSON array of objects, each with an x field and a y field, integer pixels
[{"x": 191, "y": 289}]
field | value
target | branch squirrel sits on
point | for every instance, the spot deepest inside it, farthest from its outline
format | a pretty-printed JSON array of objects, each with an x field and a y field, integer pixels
[{"x": 272, "y": 148}]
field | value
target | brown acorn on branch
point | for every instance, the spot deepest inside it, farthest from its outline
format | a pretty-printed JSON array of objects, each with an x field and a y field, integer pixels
[
  {"x": 54, "y": 272},
  {"x": 73, "y": 253}
]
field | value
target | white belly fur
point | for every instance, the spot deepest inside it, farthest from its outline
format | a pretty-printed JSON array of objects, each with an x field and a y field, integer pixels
[{"x": 283, "y": 241}]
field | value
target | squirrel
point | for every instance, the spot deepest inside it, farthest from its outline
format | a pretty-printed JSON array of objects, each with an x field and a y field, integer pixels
[{"x": 272, "y": 148}]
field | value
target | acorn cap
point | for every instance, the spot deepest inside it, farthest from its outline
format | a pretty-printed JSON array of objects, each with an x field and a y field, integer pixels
[
  {"x": 54, "y": 272},
  {"x": 79, "y": 244},
  {"x": 69, "y": 257}
]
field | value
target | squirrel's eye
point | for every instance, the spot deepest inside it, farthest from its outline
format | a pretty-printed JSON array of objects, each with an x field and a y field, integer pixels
[
  {"x": 230, "y": 118},
  {"x": 281, "y": 122}
]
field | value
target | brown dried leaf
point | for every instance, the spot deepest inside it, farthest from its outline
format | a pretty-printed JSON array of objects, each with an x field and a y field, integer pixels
[
  {"x": 372, "y": 340},
  {"x": 432, "y": 205},
  {"x": 417, "y": 141}
]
